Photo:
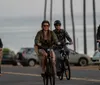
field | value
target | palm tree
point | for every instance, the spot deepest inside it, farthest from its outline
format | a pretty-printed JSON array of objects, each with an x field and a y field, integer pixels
[
  {"x": 51, "y": 6},
  {"x": 45, "y": 8},
  {"x": 72, "y": 17},
  {"x": 84, "y": 26},
  {"x": 64, "y": 17},
  {"x": 94, "y": 21}
]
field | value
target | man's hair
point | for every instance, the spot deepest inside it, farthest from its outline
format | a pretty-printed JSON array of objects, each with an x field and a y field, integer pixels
[{"x": 57, "y": 22}]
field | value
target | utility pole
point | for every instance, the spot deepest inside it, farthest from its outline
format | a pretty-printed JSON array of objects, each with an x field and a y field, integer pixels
[
  {"x": 73, "y": 26},
  {"x": 94, "y": 21},
  {"x": 84, "y": 25}
]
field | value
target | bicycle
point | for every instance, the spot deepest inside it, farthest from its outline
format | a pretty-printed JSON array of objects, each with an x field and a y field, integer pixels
[
  {"x": 49, "y": 73},
  {"x": 64, "y": 65}
]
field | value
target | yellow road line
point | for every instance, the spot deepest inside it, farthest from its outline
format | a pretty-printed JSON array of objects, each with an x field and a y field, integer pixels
[{"x": 73, "y": 78}]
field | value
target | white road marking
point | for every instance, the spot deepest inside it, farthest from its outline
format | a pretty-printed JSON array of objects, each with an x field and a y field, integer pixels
[{"x": 73, "y": 78}]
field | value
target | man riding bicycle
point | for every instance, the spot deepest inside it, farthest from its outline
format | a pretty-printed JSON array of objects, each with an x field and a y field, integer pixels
[
  {"x": 45, "y": 38},
  {"x": 1, "y": 45},
  {"x": 62, "y": 35},
  {"x": 98, "y": 36}
]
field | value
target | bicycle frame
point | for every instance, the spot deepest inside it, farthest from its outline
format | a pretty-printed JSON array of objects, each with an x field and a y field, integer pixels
[{"x": 64, "y": 64}]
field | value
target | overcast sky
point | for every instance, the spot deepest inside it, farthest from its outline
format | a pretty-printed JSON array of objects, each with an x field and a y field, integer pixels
[{"x": 21, "y": 8}]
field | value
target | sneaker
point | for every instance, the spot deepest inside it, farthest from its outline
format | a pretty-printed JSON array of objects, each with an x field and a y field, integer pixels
[{"x": 58, "y": 73}]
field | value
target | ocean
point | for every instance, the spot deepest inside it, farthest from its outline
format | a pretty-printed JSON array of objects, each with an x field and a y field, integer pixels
[{"x": 17, "y": 32}]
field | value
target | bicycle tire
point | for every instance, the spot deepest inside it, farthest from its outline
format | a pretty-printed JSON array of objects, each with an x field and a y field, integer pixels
[
  {"x": 45, "y": 76},
  {"x": 52, "y": 75},
  {"x": 99, "y": 66},
  {"x": 67, "y": 69},
  {"x": 60, "y": 74}
]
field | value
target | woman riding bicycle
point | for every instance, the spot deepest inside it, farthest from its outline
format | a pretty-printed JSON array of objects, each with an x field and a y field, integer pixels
[{"x": 45, "y": 38}]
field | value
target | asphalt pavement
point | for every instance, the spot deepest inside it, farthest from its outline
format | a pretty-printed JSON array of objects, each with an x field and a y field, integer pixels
[{"x": 19, "y": 75}]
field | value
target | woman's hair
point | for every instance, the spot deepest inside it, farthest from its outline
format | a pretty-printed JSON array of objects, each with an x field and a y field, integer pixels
[
  {"x": 45, "y": 21},
  {"x": 48, "y": 32}
]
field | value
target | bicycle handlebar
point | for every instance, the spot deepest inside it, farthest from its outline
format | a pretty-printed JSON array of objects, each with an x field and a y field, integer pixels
[
  {"x": 63, "y": 44},
  {"x": 98, "y": 41},
  {"x": 58, "y": 45}
]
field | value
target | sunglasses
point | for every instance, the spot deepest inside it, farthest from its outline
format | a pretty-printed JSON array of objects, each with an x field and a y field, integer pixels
[{"x": 45, "y": 25}]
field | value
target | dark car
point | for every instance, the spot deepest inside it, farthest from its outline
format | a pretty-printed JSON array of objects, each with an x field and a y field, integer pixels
[
  {"x": 27, "y": 57},
  {"x": 9, "y": 59}
]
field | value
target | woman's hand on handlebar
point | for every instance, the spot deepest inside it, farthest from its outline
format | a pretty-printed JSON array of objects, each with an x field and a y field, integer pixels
[{"x": 39, "y": 44}]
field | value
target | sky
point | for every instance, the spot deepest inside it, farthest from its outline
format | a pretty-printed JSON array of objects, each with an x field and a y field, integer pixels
[
  {"x": 21, "y": 8},
  {"x": 34, "y": 9}
]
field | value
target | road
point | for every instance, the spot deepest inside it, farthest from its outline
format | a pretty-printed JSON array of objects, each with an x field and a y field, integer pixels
[{"x": 18, "y": 75}]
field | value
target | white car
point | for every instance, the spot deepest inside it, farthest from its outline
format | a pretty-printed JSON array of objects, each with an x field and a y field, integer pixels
[
  {"x": 79, "y": 59},
  {"x": 96, "y": 57},
  {"x": 27, "y": 57}
]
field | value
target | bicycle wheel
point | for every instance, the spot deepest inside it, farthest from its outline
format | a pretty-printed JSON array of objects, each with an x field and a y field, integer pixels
[
  {"x": 60, "y": 74},
  {"x": 67, "y": 69},
  {"x": 99, "y": 66},
  {"x": 52, "y": 72},
  {"x": 45, "y": 76}
]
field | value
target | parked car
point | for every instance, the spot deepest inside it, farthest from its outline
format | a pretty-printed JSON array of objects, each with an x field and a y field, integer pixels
[
  {"x": 9, "y": 59},
  {"x": 79, "y": 59},
  {"x": 27, "y": 57},
  {"x": 96, "y": 57}
]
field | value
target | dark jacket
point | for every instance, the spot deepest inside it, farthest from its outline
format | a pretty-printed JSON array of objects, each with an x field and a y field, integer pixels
[
  {"x": 62, "y": 35},
  {"x": 1, "y": 44},
  {"x": 51, "y": 39},
  {"x": 98, "y": 33}
]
